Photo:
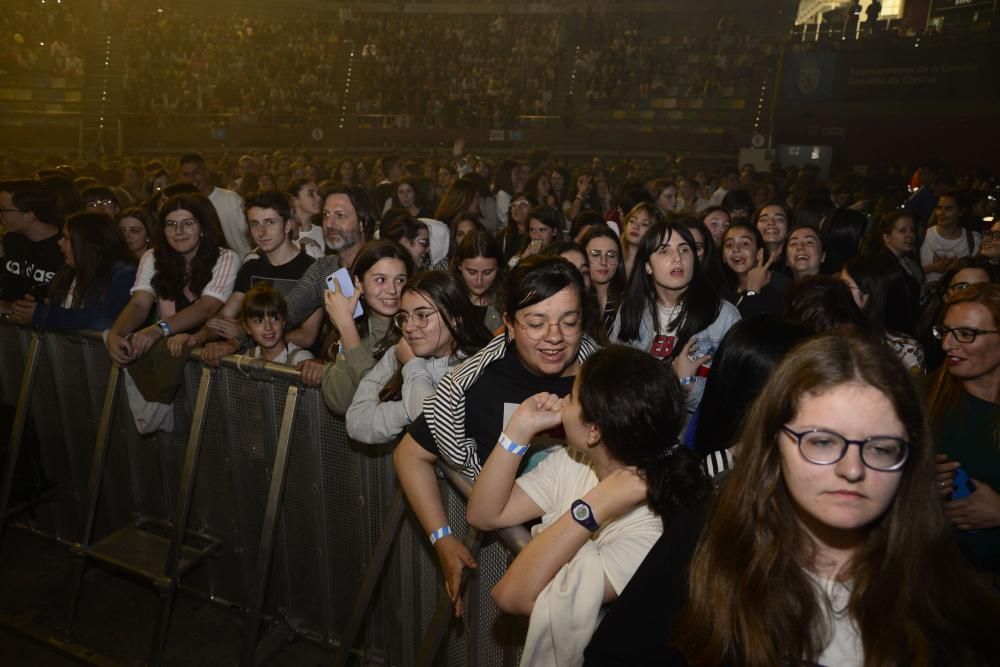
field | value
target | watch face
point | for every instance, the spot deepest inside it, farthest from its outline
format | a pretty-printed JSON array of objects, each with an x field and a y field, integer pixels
[{"x": 581, "y": 512}]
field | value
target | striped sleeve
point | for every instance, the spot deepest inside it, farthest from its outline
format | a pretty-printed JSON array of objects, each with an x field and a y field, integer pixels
[{"x": 223, "y": 276}]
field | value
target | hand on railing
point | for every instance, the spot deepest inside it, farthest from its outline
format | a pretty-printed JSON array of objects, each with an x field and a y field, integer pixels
[
  {"x": 312, "y": 372},
  {"x": 177, "y": 343},
  {"x": 212, "y": 353},
  {"x": 454, "y": 558}
]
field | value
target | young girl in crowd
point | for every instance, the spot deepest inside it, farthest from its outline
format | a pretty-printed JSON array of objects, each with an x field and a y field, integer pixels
[
  {"x": 867, "y": 572},
  {"x": 407, "y": 196},
  {"x": 890, "y": 301},
  {"x": 514, "y": 237},
  {"x": 773, "y": 222},
  {"x": 93, "y": 287},
  {"x": 439, "y": 329},
  {"x": 804, "y": 252},
  {"x": 670, "y": 310},
  {"x": 264, "y": 317},
  {"x": 188, "y": 278},
  {"x": 478, "y": 263},
  {"x": 462, "y": 421},
  {"x": 749, "y": 271},
  {"x": 602, "y": 499},
  {"x": 379, "y": 273},
  {"x": 303, "y": 195},
  {"x": 637, "y": 222},
  {"x": 607, "y": 271},
  {"x": 825, "y": 545},
  {"x": 896, "y": 234},
  {"x": 137, "y": 227}
]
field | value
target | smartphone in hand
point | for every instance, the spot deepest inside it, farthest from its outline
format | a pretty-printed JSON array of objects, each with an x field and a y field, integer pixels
[{"x": 340, "y": 281}]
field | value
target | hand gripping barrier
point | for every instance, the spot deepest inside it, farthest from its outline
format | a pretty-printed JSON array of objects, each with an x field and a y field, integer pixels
[{"x": 303, "y": 531}]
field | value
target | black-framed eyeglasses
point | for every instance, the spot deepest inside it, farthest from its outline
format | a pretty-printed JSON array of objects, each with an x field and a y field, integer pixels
[
  {"x": 961, "y": 334},
  {"x": 419, "y": 317},
  {"x": 880, "y": 452},
  {"x": 992, "y": 235}
]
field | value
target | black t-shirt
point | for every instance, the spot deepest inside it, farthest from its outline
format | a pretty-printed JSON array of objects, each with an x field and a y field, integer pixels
[
  {"x": 282, "y": 277},
  {"x": 28, "y": 266},
  {"x": 489, "y": 402},
  {"x": 639, "y": 627}
]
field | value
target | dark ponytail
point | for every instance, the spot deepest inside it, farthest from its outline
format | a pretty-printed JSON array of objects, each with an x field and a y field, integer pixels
[{"x": 638, "y": 404}]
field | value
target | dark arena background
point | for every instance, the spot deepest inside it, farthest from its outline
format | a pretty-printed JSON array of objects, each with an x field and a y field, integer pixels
[{"x": 255, "y": 530}]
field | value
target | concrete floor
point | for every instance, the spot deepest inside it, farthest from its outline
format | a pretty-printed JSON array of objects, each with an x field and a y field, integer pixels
[{"x": 115, "y": 617}]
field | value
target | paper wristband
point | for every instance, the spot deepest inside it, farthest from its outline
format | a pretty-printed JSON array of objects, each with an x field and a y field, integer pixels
[
  {"x": 439, "y": 533},
  {"x": 511, "y": 446}
]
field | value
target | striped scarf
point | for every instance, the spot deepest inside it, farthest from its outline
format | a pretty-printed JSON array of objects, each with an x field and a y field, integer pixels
[{"x": 444, "y": 410}]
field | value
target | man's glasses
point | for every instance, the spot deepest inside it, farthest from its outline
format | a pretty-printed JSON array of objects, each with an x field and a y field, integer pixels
[{"x": 961, "y": 334}]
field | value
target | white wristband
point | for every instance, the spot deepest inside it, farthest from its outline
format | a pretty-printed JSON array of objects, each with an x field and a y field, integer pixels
[
  {"x": 439, "y": 533},
  {"x": 511, "y": 446}
]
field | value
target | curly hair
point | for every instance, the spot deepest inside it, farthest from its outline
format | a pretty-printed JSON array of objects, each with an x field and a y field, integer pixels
[{"x": 173, "y": 272}]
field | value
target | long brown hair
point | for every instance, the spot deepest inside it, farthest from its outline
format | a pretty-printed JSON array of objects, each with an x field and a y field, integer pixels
[
  {"x": 173, "y": 272},
  {"x": 944, "y": 389},
  {"x": 913, "y": 598}
]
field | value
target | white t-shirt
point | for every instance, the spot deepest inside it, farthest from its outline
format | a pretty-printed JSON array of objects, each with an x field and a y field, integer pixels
[
  {"x": 842, "y": 640},
  {"x": 290, "y": 356},
  {"x": 317, "y": 247},
  {"x": 219, "y": 287},
  {"x": 935, "y": 245},
  {"x": 229, "y": 206},
  {"x": 565, "y": 475}
]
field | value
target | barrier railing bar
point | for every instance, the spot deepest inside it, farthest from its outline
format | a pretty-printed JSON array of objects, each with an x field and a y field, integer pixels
[
  {"x": 272, "y": 512},
  {"x": 322, "y": 551},
  {"x": 373, "y": 574},
  {"x": 17, "y": 430},
  {"x": 93, "y": 491}
]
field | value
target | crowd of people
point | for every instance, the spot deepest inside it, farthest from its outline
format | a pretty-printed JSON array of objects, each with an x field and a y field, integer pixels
[
  {"x": 40, "y": 38},
  {"x": 752, "y": 415},
  {"x": 491, "y": 68},
  {"x": 627, "y": 64},
  {"x": 269, "y": 71}
]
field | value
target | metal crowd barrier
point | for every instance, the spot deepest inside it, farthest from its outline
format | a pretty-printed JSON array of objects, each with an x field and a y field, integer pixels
[{"x": 314, "y": 539}]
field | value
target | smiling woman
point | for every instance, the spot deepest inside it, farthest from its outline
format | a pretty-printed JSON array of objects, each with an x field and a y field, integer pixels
[
  {"x": 963, "y": 404},
  {"x": 379, "y": 273},
  {"x": 440, "y": 328},
  {"x": 462, "y": 421},
  {"x": 189, "y": 276}
]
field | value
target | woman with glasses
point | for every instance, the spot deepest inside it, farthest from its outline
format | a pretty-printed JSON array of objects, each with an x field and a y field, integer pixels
[
  {"x": 413, "y": 235},
  {"x": 825, "y": 544},
  {"x": 835, "y": 463},
  {"x": 670, "y": 310},
  {"x": 379, "y": 273},
  {"x": 188, "y": 277},
  {"x": 990, "y": 247},
  {"x": 607, "y": 271},
  {"x": 463, "y": 420},
  {"x": 439, "y": 330},
  {"x": 961, "y": 273},
  {"x": 963, "y": 404},
  {"x": 602, "y": 499}
]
